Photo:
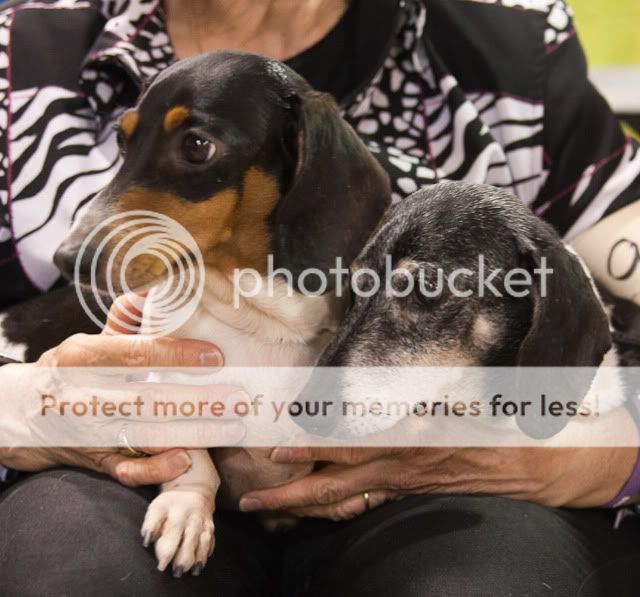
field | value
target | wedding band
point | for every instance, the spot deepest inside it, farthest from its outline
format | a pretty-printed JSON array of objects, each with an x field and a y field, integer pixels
[
  {"x": 125, "y": 446},
  {"x": 365, "y": 495}
]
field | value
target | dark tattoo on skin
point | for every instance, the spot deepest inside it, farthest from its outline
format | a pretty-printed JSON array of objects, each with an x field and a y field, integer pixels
[{"x": 634, "y": 264}]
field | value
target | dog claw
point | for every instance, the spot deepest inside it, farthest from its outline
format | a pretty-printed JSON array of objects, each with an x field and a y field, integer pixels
[
  {"x": 197, "y": 569},
  {"x": 149, "y": 537},
  {"x": 180, "y": 523}
]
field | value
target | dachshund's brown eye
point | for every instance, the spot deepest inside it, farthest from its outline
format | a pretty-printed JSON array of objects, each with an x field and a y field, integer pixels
[
  {"x": 429, "y": 289},
  {"x": 197, "y": 150}
]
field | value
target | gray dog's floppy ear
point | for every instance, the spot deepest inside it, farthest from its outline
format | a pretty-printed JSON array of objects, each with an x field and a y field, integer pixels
[
  {"x": 337, "y": 196},
  {"x": 569, "y": 305},
  {"x": 569, "y": 328}
]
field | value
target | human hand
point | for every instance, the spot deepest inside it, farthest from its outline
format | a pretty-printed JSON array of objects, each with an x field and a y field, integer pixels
[
  {"x": 111, "y": 350},
  {"x": 552, "y": 476}
]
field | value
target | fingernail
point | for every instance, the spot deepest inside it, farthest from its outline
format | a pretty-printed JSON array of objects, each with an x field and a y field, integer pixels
[
  {"x": 180, "y": 461},
  {"x": 282, "y": 455},
  {"x": 232, "y": 434},
  {"x": 248, "y": 504},
  {"x": 211, "y": 359}
]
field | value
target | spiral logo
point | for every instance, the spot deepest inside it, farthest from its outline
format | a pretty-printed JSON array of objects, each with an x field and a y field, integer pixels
[{"x": 148, "y": 242}]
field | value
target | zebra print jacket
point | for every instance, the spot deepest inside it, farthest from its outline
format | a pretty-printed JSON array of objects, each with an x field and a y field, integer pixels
[{"x": 491, "y": 91}]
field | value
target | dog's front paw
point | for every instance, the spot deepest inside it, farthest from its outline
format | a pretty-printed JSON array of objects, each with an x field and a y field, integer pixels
[{"x": 180, "y": 523}]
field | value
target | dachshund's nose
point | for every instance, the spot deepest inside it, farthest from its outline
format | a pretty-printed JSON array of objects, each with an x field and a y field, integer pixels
[{"x": 65, "y": 259}]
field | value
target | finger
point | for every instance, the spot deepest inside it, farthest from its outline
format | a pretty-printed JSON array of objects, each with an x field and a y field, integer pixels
[
  {"x": 154, "y": 470},
  {"x": 184, "y": 434},
  {"x": 198, "y": 417},
  {"x": 101, "y": 350},
  {"x": 331, "y": 485},
  {"x": 351, "y": 507},
  {"x": 338, "y": 455},
  {"x": 152, "y": 450},
  {"x": 164, "y": 402},
  {"x": 174, "y": 400},
  {"x": 144, "y": 394},
  {"x": 125, "y": 315}
]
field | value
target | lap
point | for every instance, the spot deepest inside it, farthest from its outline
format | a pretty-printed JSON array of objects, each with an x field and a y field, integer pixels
[
  {"x": 76, "y": 533},
  {"x": 462, "y": 546},
  {"x": 71, "y": 532}
]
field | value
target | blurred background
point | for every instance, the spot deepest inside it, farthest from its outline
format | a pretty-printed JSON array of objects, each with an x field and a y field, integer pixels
[{"x": 610, "y": 33}]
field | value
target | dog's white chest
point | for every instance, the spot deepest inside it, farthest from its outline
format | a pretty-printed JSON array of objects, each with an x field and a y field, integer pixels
[{"x": 268, "y": 344}]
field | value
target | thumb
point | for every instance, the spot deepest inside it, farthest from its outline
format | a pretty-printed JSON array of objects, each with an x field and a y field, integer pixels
[
  {"x": 153, "y": 470},
  {"x": 125, "y": 314}
]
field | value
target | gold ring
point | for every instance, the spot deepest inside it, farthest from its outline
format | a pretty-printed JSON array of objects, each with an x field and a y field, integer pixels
[
  {"x": 125, "y": 446},
  {"x": 367, "y": 505}
]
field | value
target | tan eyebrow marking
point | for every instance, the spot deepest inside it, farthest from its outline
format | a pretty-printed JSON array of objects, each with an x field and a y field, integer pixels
[
  {"x": 129, "y": 123},
  {"x": 175, "y": 117}
]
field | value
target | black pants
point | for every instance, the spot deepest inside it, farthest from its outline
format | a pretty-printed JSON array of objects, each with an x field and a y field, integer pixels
[{"x": 70, "y": 532}]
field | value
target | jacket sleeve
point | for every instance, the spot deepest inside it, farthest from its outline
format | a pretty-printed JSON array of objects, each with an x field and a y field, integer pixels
[{"x": 593, "y": 167}]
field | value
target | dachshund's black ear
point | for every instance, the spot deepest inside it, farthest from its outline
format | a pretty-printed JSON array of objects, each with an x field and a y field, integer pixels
[
  {"x": 337, "y": 196},
  {"x": 569, "y": 328}
]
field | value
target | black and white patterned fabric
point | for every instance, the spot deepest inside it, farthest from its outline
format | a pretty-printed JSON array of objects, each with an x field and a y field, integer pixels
[{"x": 488, "y": 91}]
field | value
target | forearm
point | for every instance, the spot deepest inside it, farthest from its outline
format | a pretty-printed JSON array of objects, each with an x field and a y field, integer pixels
[
  {"x": 16, "y": 381},
  {"x": 13, "y": 426},
  {"x": 593, "y": 471},
  {"x": 611, "y": 250}
]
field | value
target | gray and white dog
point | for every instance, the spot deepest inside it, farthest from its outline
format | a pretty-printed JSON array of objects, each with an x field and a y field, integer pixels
[{"x": 560, "y": 322}]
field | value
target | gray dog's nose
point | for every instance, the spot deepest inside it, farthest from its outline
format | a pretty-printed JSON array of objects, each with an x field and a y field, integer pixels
[
  {"x": 65, "y": 259},
  {"x": 318, "y": 407}
]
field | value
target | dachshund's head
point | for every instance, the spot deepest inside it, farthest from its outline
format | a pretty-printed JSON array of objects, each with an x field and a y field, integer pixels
[
  {"x": 250, "y": 160},
  {"x": 492, "y": 286}
]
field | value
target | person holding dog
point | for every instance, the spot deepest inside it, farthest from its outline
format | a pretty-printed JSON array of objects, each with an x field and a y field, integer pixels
[{"x": 473, "y": 90}]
